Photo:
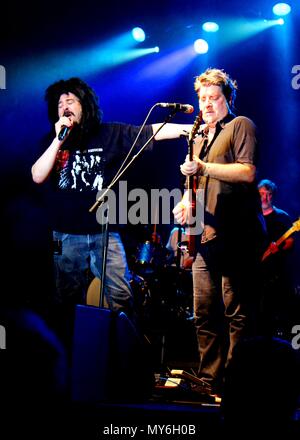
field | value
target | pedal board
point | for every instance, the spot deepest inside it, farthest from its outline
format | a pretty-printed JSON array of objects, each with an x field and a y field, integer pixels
[
  {"x": 185, "y": 375},
  {"x": 181, "y": 385},
  {"x": 194, "y": 380},
  {"x": 174, "y": 382}
]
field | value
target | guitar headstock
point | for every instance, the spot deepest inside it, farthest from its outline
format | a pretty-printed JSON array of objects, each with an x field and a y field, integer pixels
[{"x": 196, "y": 126}]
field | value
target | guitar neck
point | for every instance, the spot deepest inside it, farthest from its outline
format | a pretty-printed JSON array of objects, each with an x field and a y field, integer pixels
[
  {"x": 190, "y": 180},
  {"x": 191, "y": 186},
  {"x": 294, "y": 228},
  {"x": 285, "y": 236}
]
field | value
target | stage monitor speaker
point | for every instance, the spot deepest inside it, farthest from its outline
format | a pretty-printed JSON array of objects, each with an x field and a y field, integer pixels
[{"x": 110, "y": 359}]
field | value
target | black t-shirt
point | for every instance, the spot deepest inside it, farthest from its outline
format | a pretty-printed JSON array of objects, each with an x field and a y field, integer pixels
[
  {"x": 277, "y": 222},
  {"x": 81, "y": 171}
]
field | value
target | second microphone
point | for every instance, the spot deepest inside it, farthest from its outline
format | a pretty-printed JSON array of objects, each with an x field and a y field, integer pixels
[{"x": 185, "y": 108}]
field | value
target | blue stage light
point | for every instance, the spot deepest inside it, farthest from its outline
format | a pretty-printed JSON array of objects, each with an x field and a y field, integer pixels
[
  {"x": 210, "y": 26},
  {"x": 138, "y": 34},
  {"x": 281, "y": 9},
  {"x": 201, "y": 46}
]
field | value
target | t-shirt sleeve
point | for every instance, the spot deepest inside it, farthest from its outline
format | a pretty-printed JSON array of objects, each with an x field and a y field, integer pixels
[
  {"x": 129, "y": 134},
  {"x": 245, "y": 141},
  {"x": 284, "y": 219}
]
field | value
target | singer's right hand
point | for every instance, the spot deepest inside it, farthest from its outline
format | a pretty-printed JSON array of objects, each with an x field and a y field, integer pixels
[
  {"x": 63, "y": 121},
  {"x": 180, "y": 212}
]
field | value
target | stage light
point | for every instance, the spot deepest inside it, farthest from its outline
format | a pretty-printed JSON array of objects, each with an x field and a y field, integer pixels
[
  {"x": 280, "y": 21},
  {"x": 201, "y": 46},
  {"x": 156, "y": 49},
  {"x": 281, "y": 9},
  {"x": 138, "y": 34},
  {"x": 210, "y": 26}
]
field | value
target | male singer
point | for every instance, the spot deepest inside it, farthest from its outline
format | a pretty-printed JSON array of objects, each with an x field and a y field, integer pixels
[{"x": 82, "y": 157}]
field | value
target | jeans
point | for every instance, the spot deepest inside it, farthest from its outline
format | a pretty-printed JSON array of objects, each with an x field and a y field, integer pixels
[
  {"x": 221, "y": 309},
  {"x": 76, "y": 257}
]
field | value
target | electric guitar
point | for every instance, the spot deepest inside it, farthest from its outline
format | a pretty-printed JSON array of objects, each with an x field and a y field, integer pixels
[
  {"x": 294, "y": 228},
  {"x": 192, "y": 189}
]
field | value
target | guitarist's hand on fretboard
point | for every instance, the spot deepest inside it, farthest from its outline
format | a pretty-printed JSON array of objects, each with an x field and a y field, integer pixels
[{"x": 190, "y": 168}]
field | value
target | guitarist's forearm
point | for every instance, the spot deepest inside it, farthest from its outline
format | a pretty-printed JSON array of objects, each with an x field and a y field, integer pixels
[{"x": 231, "y": 172}]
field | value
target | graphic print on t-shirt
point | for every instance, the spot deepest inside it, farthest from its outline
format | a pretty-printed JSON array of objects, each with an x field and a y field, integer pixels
[{"x": 79, "y": 171}]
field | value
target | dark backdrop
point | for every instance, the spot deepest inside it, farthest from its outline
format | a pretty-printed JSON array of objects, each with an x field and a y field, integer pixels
[{"x": 48, "y": 41}]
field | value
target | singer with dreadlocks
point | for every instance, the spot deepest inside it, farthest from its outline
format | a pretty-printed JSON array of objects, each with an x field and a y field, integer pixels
[{"x": 82, "y": 157}]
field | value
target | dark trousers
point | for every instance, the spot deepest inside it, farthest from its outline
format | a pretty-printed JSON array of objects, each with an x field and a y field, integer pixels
[{"x": 224, "y": 306}]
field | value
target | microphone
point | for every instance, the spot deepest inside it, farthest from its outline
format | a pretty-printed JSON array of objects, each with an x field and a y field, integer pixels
[
  {"x": 185, "y": 108},
  {"x": 64, "y": 131}
]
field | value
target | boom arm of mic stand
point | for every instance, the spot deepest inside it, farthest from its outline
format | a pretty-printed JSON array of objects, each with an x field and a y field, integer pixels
[{"x": 101, "y": 198}]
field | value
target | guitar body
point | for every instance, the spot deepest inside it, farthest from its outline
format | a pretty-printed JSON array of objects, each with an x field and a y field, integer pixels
[
  {"x": 294, "y": 228},
  {"x": 192, "y": 188}
]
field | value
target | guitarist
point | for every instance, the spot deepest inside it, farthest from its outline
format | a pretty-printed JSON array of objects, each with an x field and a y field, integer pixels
[
  {"x": 277, "y": 220},
  {"x": 226, "y": 261},
  {"x": 276, "y": 265}
]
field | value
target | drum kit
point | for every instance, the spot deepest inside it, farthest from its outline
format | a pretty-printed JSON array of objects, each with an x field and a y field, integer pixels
[
  {"x": 163, "y": 293},
  {"x": 163, "y": 289},
  {"x": 159, "y": 287}
]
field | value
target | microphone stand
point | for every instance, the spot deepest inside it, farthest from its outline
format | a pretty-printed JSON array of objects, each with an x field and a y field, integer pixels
[
  {"x": 105, "y": 238},
  {"x": 179, "y": 251},
  {"x": 100, "y": 199}
]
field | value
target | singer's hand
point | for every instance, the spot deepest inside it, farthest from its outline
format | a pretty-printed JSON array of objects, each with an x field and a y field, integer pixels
[
  {"x": 63, "y": 121},
  {"x": 189, "y": 168},
  {"x": 180, "y": 212}
]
